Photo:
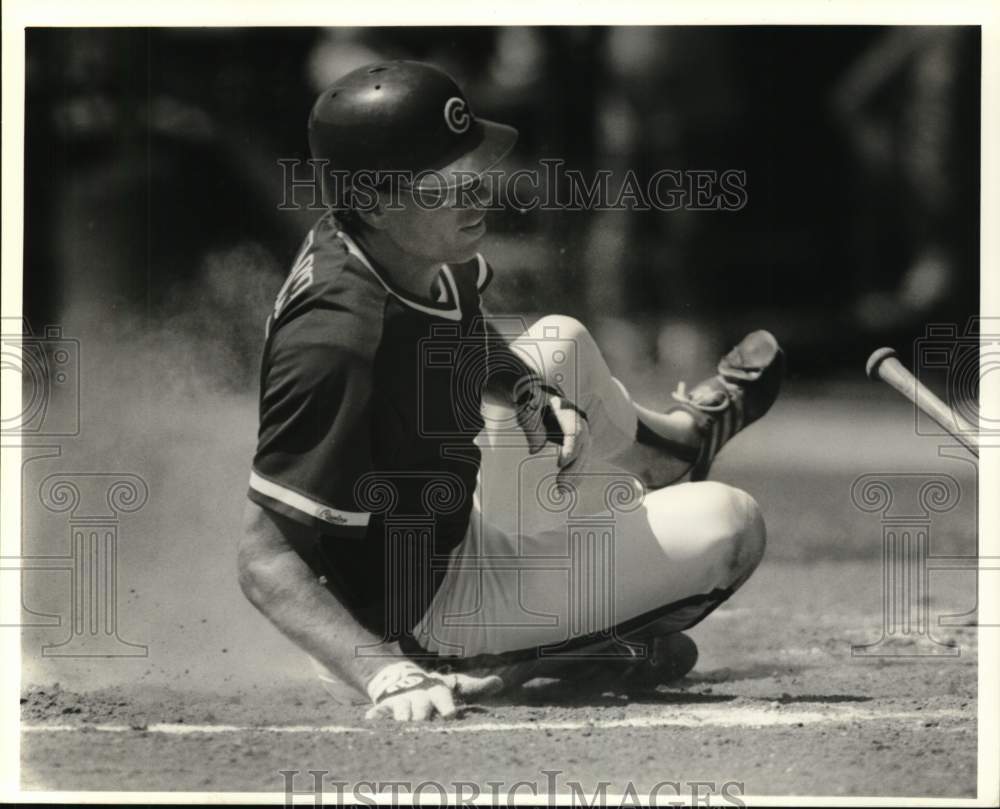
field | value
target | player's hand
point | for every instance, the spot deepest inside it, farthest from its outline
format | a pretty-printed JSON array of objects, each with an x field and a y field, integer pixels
[
  {"x": 406, "y": 692},
  {"x": 574, "y": 428},
  {"x": 530, "y": 401},
  {"x": 544, "y": 415}
]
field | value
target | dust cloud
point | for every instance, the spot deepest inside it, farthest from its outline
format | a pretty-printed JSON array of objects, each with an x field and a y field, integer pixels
[{"x": 167, "y": 393}]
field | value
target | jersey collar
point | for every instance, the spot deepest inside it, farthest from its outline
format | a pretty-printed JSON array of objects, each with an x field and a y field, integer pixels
[{"x": 447, "y": 303}]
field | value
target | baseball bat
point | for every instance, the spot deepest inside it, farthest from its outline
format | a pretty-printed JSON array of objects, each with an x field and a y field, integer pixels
[{"x": 885, "y": 364}]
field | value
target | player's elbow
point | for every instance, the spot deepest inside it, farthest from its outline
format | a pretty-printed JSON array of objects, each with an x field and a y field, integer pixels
[
  {"x": 271, "y": 556},
  {"x": 256, "y": 554},
  {"x": 252, "y": 573},
  {"x": 266, "y": 577}
]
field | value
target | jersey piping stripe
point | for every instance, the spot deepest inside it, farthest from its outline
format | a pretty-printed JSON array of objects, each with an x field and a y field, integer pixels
[
  {"x": 313, "y": 508},
  {"x": 483, "y": 278},
  {"x": 451, "y": 312},
  {"x": 446, "y": 274}
]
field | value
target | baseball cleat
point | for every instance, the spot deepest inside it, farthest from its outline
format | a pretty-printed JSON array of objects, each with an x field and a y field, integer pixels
[
  {"x": 671, "y": 657},
  {"x": 742, "y": 391}
]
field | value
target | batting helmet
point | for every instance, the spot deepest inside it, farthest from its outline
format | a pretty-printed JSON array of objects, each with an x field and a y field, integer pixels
[{"x": 404, "y": 116}]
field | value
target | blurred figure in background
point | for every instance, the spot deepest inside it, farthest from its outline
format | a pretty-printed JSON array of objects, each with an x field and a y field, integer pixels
[
  {"x": 662, "y": 105},
  {"x": 151, "y": 188},
  {"x": 908, "y": 105}
]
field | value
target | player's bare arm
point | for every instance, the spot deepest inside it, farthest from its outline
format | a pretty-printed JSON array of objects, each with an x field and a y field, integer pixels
[{"x": 277, "y": 581}]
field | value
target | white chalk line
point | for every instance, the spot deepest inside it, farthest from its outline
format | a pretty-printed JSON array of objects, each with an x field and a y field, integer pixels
[{"x": 694, "y": 718}]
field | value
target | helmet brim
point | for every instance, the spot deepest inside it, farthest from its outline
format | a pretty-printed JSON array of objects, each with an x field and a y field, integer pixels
[{"x": 495, "y": 144}]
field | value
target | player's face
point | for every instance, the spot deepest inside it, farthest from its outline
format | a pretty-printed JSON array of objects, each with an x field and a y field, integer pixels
[{"x": 438, "y": 228}]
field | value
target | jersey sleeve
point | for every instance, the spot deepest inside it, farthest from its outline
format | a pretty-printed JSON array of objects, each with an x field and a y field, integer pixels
[{"x": 314, "y": 442}]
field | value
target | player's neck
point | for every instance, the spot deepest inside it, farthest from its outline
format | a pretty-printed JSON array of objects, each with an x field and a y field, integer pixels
[{"x": 412, "y": 274}]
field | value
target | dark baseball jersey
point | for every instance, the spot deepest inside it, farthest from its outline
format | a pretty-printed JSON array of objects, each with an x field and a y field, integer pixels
[{"x": 370, "y": 401}]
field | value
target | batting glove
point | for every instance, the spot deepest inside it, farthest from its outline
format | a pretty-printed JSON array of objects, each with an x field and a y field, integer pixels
[
  {"x": 544, "y": 414},
  {"x": 406, "y": 692}
]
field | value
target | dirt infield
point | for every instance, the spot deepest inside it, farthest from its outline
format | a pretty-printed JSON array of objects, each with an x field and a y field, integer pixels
[{"x": 777, "y": 703}]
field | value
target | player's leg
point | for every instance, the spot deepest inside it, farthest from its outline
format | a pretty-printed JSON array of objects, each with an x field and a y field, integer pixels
[
  {"x": 516, "y": 602},
  {"x": 645, "y": 653},
  {"x": 519, "y": 583},
  {"x": 659, "y": 448}
]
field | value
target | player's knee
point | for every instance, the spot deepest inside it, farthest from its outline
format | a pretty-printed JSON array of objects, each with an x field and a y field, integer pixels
[
  {"x": 738, "y": 529},
  {"x": 750, "y": 534},
  {"x": 564, "y": 328},
  {"x": 569, "y": 337}
]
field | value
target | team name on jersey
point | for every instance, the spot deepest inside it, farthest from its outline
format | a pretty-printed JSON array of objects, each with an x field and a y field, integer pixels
[{"x": 300, "y": 278}]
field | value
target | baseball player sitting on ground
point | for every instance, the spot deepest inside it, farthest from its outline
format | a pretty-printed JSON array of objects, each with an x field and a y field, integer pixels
[{"x": 444, "y": 504}]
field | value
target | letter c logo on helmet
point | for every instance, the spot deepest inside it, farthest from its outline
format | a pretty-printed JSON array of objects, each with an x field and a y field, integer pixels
[
  {"x": 456, "y": 115},
  {"x": 366, "y": 121}
]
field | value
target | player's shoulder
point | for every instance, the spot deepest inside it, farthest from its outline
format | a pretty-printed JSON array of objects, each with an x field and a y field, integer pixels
[{"x": 329, "y": 296}]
